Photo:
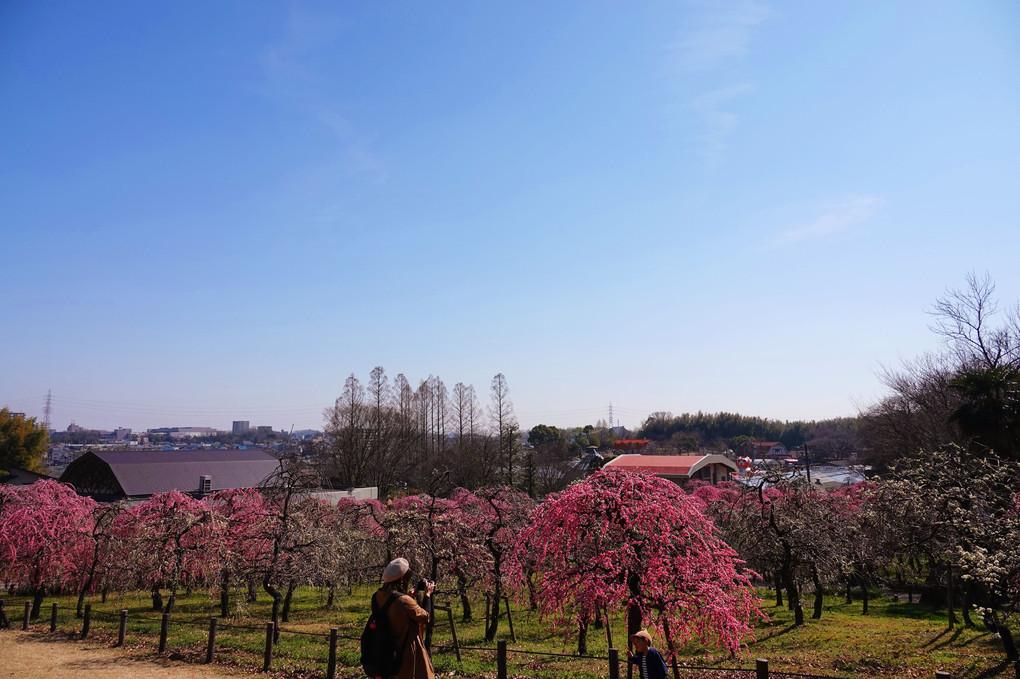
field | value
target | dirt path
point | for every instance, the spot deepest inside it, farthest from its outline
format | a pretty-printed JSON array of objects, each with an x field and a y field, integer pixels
[{"x": 36, "y": 655}]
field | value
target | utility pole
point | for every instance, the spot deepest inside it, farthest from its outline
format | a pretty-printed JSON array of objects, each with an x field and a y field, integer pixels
[{"x": 807, "y": 462}]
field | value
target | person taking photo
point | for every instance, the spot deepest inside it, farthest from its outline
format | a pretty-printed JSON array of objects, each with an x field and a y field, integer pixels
[{"x": 407, "y": 619}]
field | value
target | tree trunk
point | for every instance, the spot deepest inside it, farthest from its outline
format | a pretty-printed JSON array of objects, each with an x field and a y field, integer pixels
[
  {"x": 86, "y": 586},
  {"x": 965, "y": 607},
  {"x": 253, "y": 593},
  {"x": 493, "y": 626},
  {"x": 462, "y": 591},
  {"x": 672, "y": 649},
  {"x": 633, "y": 614},
  {"x": 532, "y": 597},
  {"x": 277, "y": 600},
  {"x": 1008, "y": 643},
  {"x": 864, "y": 598},
  {"x": 157, "y": 599},
  {"x": 171, "y": 600},
  {"x": 37, "y": 598},
  {"x": 950, "y": 613},
  {"x": 792, "y": 595},
  {"x": 225, "y": 594},
  {"x": 582, "y": 638},
  {"x": 609, "y": 630},
  {"x": 285, "y": 616},
  {"x": 817, "y": 613},
  {"x": 330, "y": 596},
  {"x": 779, "y": 589},
  {"x": 497, "y": 592},
  {"x": 849, "y": 591}
]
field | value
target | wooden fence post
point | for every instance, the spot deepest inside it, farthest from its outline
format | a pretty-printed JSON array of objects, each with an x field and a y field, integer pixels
[
  {"x": 122, "y": 632},
  {"x": 164, "y": 629},
  {"x": 28, "y": 612},
  {"x": 210, "y": 650},
  {"x": 501, "y": 659},
  {"x": 510, "y": 620},
  {"x": 270, "y": 630},
  {"x": 453, "y": 631},
  {"x": 941, "y": 675},
  {"x": 87, "y": 622},
  {"x": 331, "y": 664},
  {"x": 761, "y": 668},
  {"x": 53, "y": 618},
  {"x": 614, "y": 664}
]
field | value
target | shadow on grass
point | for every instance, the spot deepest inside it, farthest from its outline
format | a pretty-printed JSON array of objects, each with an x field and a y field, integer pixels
[
  {"x": 785, "y": 630},
  {"x": 942, "y": 644},
  {"x": 979, "y": 637},
  {"x": 995, "y": 670},
  {"x": 912, "y": 611}
]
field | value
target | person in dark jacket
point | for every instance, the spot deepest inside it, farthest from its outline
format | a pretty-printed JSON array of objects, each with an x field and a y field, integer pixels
[{"x": 649, "y": 661}]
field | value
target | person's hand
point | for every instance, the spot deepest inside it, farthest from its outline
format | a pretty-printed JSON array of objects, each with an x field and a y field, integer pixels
[
  {"x": 429, "y": 586},
  {"x": 630, "y": 654}
]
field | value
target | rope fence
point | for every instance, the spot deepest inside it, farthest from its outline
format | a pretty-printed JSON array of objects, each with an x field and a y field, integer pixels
[{"x": 273, "y": 631}]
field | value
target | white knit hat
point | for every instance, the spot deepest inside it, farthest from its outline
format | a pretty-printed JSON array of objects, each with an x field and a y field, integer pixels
[{"x": 395, "y": 570}]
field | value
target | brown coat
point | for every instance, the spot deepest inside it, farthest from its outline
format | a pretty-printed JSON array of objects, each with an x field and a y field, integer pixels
[{"x": 407, "y": 620}]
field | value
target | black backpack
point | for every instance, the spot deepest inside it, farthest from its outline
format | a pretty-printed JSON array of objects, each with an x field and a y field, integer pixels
[{"x": 380, "y": 655}]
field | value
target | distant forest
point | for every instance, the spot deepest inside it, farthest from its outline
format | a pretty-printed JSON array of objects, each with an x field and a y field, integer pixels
[{"x": 690, "y": 432}]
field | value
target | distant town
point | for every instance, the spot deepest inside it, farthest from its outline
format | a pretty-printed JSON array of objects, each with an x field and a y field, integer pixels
[{"x": 68, "y": 445}]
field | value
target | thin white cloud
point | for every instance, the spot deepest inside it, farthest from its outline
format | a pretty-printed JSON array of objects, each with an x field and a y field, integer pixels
[
  {"x": 835, "y": 219},
  {"x": 716, "y": 32},
  {"x": 715, "y": 37},
  {"x": 294, "y": 76},
  {"x": 718, "y": 122},
  {"x": 293, "y": 57}
]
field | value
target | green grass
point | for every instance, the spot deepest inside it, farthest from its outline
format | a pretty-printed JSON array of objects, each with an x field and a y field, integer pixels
[{"x": 895, "y": 639}]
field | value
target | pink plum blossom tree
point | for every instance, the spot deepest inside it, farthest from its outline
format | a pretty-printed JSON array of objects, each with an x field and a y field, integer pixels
[
  {"x": 621, "y": 538},
  {"x": 494, "y": 517},
  {"x": 45, "y": 531},
  {"x": 173, "y": 538}
]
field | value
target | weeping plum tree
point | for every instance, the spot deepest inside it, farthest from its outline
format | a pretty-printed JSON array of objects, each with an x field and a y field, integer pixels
[
  {"x": 244, "y": 548},
  {"x": 45, "y": 531},
  {"x": 494, "y": 518},
  {"x": 173, "y": 536},
  {"x": 620, "y": 538}
]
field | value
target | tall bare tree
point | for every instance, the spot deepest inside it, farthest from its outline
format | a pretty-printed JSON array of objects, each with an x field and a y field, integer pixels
[
  {"x": 967, "y": 395},
  {"x": 501, "y": 410},
  {"x": 348, "y": 456}
]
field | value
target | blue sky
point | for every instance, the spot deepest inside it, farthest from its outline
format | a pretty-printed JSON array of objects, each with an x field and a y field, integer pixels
[{"x": 219, "y": 210}]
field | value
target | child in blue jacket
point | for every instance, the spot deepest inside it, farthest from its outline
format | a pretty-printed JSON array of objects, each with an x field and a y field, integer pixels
[{"x": 649, "y": 661}]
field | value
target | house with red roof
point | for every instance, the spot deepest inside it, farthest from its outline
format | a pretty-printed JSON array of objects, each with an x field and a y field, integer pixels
[
  {"x": 678, "y": 468},
  {"x": 763, "y": 450}
]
